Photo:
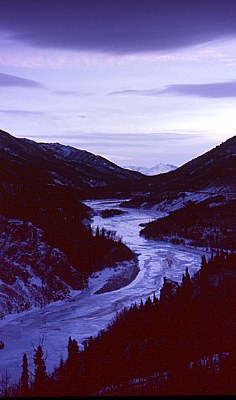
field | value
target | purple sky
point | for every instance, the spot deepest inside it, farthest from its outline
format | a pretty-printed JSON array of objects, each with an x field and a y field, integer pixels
[{"x": 137, "y": 81}]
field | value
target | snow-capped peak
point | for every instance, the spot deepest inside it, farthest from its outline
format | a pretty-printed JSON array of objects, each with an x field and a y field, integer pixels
[{"x": 157, "y": 169}]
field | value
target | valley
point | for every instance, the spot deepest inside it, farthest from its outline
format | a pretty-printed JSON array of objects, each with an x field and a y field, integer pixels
[
  {"x": 82, "y": 240},
  {"x": 86, "y": 313}
]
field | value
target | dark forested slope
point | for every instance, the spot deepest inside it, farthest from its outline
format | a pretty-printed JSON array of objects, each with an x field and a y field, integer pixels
[
  {"x": 204, "y": 224},
  {"x": 180, "y": 344}
]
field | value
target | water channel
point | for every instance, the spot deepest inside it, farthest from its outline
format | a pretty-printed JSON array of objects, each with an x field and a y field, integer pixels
[{"x": 86, "y": 313}]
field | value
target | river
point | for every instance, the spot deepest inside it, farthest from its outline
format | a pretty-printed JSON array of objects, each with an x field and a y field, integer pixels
[{"x": 86, "y": 313}]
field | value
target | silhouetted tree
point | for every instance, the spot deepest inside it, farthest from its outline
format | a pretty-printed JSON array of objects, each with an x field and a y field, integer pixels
[
  {"x": 72, "y": 365},
  {"x": 24, "y": 382},
  {"x": 40, "y": 375}
]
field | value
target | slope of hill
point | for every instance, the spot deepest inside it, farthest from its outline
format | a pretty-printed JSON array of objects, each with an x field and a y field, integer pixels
[
  {"x": 177, "y": 344},
  {"x": 41, "y": 186},
  {"x": 32, "y": 272},
  {"x": 204, "y": 224},
  {"x": 53, "y": 163},
  {"x": 200, "y": 197},
  {"x": 210, "y": 174}
]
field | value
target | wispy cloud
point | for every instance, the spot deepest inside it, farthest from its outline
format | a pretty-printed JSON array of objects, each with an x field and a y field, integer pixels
[
  {"x": 137, "y": 92},
  {"x": 128, "y": 92},
  {"x": 23, "y": 113},
  {"x": 70, "y": 93},
  {"x": 12, "y": 80},
  {"x": 210, "y": 90}
]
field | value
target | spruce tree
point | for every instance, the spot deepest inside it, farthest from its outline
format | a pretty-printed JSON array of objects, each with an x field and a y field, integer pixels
[
  {"x": 40, "y": 376},
  {"x": 24, "y": 382},
  {"x": 72, "y": 365}
]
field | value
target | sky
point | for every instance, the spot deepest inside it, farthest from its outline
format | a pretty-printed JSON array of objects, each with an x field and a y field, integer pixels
[{"x": 137, "y": 81}]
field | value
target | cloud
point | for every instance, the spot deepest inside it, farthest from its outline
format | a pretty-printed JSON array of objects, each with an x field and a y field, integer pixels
[
  {"x": 70, "y": 93},
  {"x": 210, "y": 90},
  {"x": 136, "y": 92},
  {"x": 129, "y": 92},
  {"x": 12, "y": 80},
  {"x": 23, "y": 113},
  {"x": 121, "y": 26}
]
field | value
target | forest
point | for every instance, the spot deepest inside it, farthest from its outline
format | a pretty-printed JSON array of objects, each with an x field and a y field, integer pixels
[
  {"x": 210, "y": 223},
  {"x": 182, "y": 343},
  {"x": 65, "y": 221}
]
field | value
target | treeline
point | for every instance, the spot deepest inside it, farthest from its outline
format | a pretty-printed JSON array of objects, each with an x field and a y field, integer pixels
[
  {"x": 202, "y": 224},
  {"x": 182, "y": 343}
]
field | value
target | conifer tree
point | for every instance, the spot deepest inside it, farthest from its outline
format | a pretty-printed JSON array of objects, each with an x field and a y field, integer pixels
[
  {"x": 72, "y": 365},
  {"x": 204, "y": 262},
  {"x": 97, "y": 232},
  {"x": 155, "y": 299},
  {"x": 24, "y": 382},
  {"x": 40, "y": 375}
]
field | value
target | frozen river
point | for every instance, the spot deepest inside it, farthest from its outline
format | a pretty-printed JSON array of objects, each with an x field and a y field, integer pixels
[{"x": 86, "y": 313}]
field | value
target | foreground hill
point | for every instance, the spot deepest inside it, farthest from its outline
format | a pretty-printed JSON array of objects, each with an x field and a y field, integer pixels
[{"x": 180, "y": 344}]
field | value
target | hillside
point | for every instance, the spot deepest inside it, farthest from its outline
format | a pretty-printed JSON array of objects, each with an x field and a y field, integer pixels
[
  {"x": 198, "y": 199},
  {"x": 210, "y": 223},
  {"x": 176, "y": 344},
  {"x": 213, "y": 171},
  {"x": 210, "y": 174},
  {"x": 54, "y": 249},
  {"x": 24, "y": 160},
  {"x": 32, "y": 272}
]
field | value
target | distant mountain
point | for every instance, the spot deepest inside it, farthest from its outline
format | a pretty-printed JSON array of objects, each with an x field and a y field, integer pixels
[{"x": 157, "y": 169}]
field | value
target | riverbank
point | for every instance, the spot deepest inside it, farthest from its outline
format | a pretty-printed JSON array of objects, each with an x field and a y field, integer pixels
[
  {"x": 124, "y": 274},
  {"x": 87, "y": 313}
]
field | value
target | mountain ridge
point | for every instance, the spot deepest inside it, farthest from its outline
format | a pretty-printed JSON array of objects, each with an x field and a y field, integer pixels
[{"x": 78, "y": 168}]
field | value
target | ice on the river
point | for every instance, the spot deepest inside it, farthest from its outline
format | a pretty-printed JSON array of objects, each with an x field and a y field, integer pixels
[{"x": 87, "y": 313}]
